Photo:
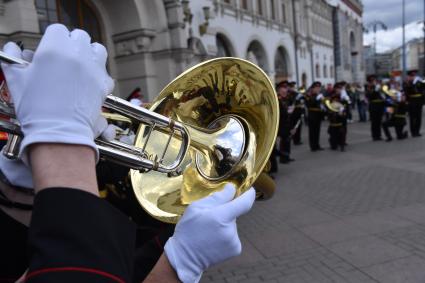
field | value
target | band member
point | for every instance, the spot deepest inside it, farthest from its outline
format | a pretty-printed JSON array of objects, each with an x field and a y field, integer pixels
[
  {"x": 136, "y": 97},
  {"x": 337, "y": 120},
  {"x": 395, "y": 114},
  {"x": 297, "y": 114},
  {"x": 376, "y": 106},
  {"x": 347, "y": 101},
  {"x": 284, "y": 123},
  {"x": 313, "y": 101},
  {"x": 73, "y": 234},
  {"x": 413, "y": 89}
]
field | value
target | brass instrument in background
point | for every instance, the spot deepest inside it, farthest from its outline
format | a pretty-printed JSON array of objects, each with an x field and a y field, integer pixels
[
  {"x": 215, "y": 123},
  {"x": 334, "y": 106},
  {"x": 390, "y": 92}
]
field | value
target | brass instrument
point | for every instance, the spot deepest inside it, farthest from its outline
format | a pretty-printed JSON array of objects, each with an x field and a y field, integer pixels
[
  {"x": 334, "y": 106},
  {"x": 215, "y": 123},
  {"x": 390, "y": 92}
]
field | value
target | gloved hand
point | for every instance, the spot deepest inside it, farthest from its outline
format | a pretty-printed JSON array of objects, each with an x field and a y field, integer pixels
[
  {"x": 18, "y": 174},
  {"x": 58, "y": 97},
  {"x": 207, "y": 233}
]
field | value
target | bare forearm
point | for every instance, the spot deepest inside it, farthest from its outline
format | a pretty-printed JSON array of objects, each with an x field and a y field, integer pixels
[
  {"x": 162, "y": 272},
  {"x": 63, "y": 165}
]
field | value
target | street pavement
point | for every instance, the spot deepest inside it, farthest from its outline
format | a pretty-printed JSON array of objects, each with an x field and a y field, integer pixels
[{"x": 354, "y": 216}]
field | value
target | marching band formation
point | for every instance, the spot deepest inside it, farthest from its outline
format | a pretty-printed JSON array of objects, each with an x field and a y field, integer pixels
[
  {"x": 58, "y": 228},
  {"x": 389, "y": 105}
]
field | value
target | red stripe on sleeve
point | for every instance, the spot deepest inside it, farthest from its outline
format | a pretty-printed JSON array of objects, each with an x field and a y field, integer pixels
[{"x": 74, "y": 269}]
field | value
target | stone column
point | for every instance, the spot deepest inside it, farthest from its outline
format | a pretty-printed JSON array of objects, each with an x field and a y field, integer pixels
[
  {"x": 134, "y": 63},
  {"x": 19, "y": 22}
]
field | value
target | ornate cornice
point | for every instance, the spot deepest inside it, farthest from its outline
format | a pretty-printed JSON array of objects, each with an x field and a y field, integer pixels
[
  {"x": 354, "y": 5},
  {"x": 133, "y": 42}
]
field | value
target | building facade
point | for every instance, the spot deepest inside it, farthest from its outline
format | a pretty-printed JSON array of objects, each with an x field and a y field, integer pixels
[
  {"x": 151, "y": 42},
  {"x": 146, "y": 40},
  {"x": 383, "y": 64},
  {"x": 369, "y": 57},
  {"x": 348, "y": 40},
  {"x": 414, "y": 56}
]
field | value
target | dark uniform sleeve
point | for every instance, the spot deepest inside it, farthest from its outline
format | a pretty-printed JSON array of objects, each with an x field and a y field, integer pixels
[{"x": 76, "y": 237}]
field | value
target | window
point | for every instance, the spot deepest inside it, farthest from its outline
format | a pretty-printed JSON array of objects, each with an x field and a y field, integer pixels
[
  {"x": 272, "y": 10},
  {"x": 259, "y": 7},
  {"x": 223, "y": 49},
  {"x": 283, "y": 13},
  {"x": 331, "y": 71},
  {"x": 325, "y": 71},
  {"x": 226, "y": 1},
  {"x": 244, "y": 4},
  {"x": 73, "y": 14},
  {"x": 317, "y": 70}
]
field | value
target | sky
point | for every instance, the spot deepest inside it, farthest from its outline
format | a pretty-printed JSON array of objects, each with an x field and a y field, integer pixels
[{"x": 390, "y": 13}]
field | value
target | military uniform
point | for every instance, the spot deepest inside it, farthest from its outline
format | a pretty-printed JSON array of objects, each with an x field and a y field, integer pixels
[
  {"x": 313, "y": 104},
  {"x": 150, "y": 239},
  {"x": 376, "y": 110},
  {"x": 415, "y": 99},
  {"x": 284, "y": 131},
  {"x": 296, "y": 117},
  {"x": 337, "y": 130},
  {"x": 395, "y": 117}
]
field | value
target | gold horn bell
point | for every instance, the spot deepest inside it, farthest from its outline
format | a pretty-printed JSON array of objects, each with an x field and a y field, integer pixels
[
  {"x": 229, "y": 107},
  {"x": 334, "y": 106}
]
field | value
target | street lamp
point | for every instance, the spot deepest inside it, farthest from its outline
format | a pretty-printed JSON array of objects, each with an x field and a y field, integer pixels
[
  {"x": 404, "y": 40},
  {"x": 423, "y": 53},
  {"x": 375, "y": 26}
]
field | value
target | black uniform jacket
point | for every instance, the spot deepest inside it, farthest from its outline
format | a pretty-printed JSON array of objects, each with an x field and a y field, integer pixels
[
  {"x": 76, "y": 237},
  {"x": 414, "y": 92},
  {"x": 376, "y": 102},
  {"x": 284, "y": 120}
]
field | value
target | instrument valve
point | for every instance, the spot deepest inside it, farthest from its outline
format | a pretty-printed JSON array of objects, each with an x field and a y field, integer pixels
[{"x": 175, "y": 173}]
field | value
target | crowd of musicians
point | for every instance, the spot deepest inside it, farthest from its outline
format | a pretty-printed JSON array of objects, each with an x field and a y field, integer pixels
[{"x": 389, "y": 105}]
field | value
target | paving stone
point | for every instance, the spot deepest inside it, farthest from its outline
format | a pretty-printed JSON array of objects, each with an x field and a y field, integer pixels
[
  {"x": 405, "y": 270},
  {"x": 411, "y": 239},
  {"x": 333, "y": 232},
  {"x": 377, "y": 222},
  {"x": 414, "y": 213},
  {"x": 356, "y": 217},
  {"x": 366, "y": 251}
]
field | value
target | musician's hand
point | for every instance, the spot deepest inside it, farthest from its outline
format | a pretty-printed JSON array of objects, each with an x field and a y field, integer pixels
[
  {"x": 58, "y": 96},
  {"x": 19, "y": 175},
  {"x": 207, "y": 233}
]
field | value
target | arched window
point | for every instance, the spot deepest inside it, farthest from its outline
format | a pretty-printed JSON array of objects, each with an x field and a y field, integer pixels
[
  {"x": 223, "y": 46},
  {"x": 318, "y": 70},
  {"x": 304, "y": 79},
  {"x": 325, "y": 71},
  {"x": 257, "y": 54},
  {"x": 281, "y": 64},
  {"x": 73, "y": 14}
]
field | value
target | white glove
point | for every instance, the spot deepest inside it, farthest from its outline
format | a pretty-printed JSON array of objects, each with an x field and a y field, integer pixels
[
  {"x": 207, "y": 233},
  {"x": 59, "y": 95},
  {"x": 110, "y": 132},
  {"x": 18, "y": 174}
]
